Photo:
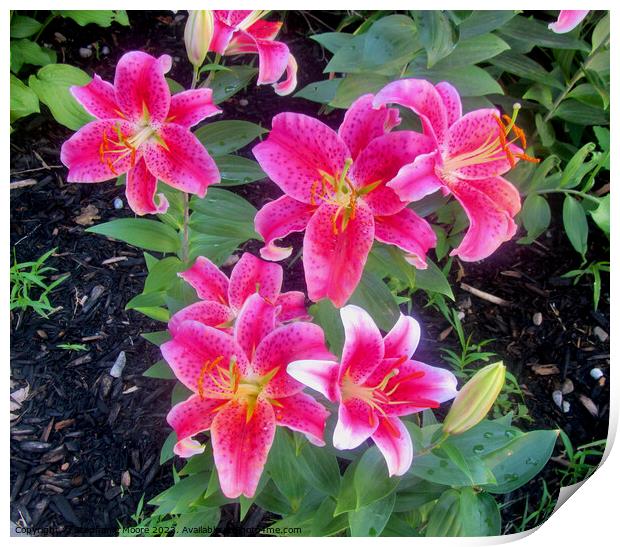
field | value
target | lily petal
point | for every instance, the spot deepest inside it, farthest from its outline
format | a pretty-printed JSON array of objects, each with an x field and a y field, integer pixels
[
  {"x": 298, "y": 148},
  {"x": 273, "y": 56},
  {"x": 140, "y": 191},
  {"x": 209, "y": 313},
  {"x": 292, "y": 305},
  {"x": 451, "y": 100},
  {"x": 300, "y": 412},
  {"x": 417, "y": 179},
  {"x": 241, "y": 446},
  {"x": 363, "y": 345},
  {"x": 140, "y": 86},
  {"x": 179, "y": 159},
  {"x": 265, "y": 30},
  {"x": 322, "y": 376},
  {"x": 208, "y": 280},
  {"x": 501, "y": 192},
  {"x": 568, "y": 20},
  {"x": 403, "y": 339},
  {"x": 334, "y": 262},
  {"x": 394, "y": 442},
  {"x": 191, "y": 107},
  {"x": 409, "y": 232},
  {"x": 98, "y": 98},
  {"x": 362, "y": 123},
  {"x": 356, "y": 422},
  {"x": 276, "y": 220},
  {"x": 251, "y": 275},
  {"x": 288, "y": 85},
  {"x": 255, "y": 320}
]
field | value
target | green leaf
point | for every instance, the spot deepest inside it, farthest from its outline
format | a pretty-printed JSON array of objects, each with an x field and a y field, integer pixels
[
  {"x": 371, "y": 480},
  {"x": 354, "y": 85},
  {"x": 140, "y": 232},
  {"x": 146, "y": 300},
  {"x": 433, "y": 280},
  {"x": 473, "y": 50},
  {"x": 570, "y": 177},
  {"x": 160, "y": 370},
  {"x": 574, "y": 111},
  {"x": 373, "y": 295},
  {"x": 272, "y": 500},
  {"x": 179, "y": 393},
  {"x": 545, "y": 130},
  {"x": 575, "y": 224},
  {"x": 283, "y": 468},
  {"x": 102, "y": 18},
  {"x": 159, "y": 314},
  {"x": 320, "y": 469},
  {"x": 237, "y": 170},
  {"x": 535, "y": 215},
  {"x": 24, "y": 101},
  {"x": 524, "y": 67},
  {"x": 470, "y": 81},
  {"x": 228, "y": 136},
  {"x": 320, "y": 92},
  {"x": 332, "y": 41},
  {"x": 370, "y": 520},
  {"x": 163, "y": 274},
  {"x": 166, "y": 450},
  {"x": 324, "y": 523},
  {"x": 347, "y": 497},
  {"x": 226, "y": 83},
  {"x": 26, "y": 52},
  {"x": 436, "y": 34},
  {"x": 192, "y": 524},
  {"x": 601, "y": 214},
  {"x": 156, "y": 337},
  {"x": 23, "y": 26},
  {"x": 531, "y": 32},
  {"x": 413, "y": 492},
  {"x": 481, "y": 22},
  {"x": 599, "y": 34},
  {"x": 326, "y": 315},
  {"x": 398, "y": 527},
  {"x": 520, "y": 461},
  {"x": 179, "y": 498},
  {"x": 52, "y": 84}
]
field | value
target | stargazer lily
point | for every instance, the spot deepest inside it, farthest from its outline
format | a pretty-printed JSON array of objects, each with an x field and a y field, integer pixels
[
  {"x": 376, "y": 382},
  {"x": 241, "y": 390},
  {"x": 568, "y": 20},
  {"x": 243, "y": 31},
  {"x": 142, "y": 131},
  {"x": 469, "y": 155},
  {"x": 335, "y": 189},
  {"x": 221, "y": 298}
]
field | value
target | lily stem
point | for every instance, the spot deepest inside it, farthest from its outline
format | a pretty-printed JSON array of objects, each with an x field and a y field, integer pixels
[
  {"x": 218, "y": 58},
  {"x": 582, "y": 195}
]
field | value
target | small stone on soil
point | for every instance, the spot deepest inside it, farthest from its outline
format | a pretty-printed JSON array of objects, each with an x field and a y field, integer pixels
[
  {"x": 565, "y": 406},
  {"x": 596, "y": 373},
  {"x": 117, "y": 369},
  {"x": 537, "y": 319},
  {"x": 85, "y": 53},
  {"x": 118, "y": 203},
  {"x": 601, "y": 334},
  {"x": 557, "y": 397}
]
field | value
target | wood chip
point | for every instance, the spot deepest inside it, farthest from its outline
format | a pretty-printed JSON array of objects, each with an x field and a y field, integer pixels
[
  {"x": 22, "y": 183},
  {"x": 485, "y": 295},
  {"x": 87, "y": 217},
  {"x": 444, "y": 334},
  {"x": 545, "y": 370},
  {"x": 113, "y": 260},
  {"x": 589, "y": 405},
  {"x": 63, "y": 423}
]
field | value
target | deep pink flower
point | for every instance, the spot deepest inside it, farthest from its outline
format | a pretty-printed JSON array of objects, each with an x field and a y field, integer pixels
[
  {"x": 470, "y": 153},
  {"x": 222, "y": 299},
  {"x": 568, "y": 20},
  {"x": 243, "y": 31},
  {"x": 242, "y": 391},
  {"x": 335, "y": 186},
  {"x": 375, "y": 383},
  {"x": 142, "y": 131}
]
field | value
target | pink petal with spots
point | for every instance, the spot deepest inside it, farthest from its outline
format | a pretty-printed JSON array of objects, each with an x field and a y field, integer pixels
[
  {"x": 409, "y": 232},
  {"x": 421, "y": 97},
  {"x": 140, "y": 86},
  {"x": 189, "y": 418},
  {"x": 98, "y": 98},
  {"x": 451, "y": 100},
  {"x": 292, "y": 306},
  {"x": 300, "y": 412},
  {"x": 276, "y": 220},
  {"x": 322, "y": 376},
  {"x": 140, "y": 191},
  {"x": 568, "y": 20},
  {"x": 356, "y": 422},
  {"x": 501, "y": 192},
  {"x": 222, "y": 33},
  {"x": 256, "y": 319},
  {"x": 394, "y": 442},
  {"x": 403, "y": 339},
  {"x": 289, "y": 83},
  {"x": 82, "y": 152},
  {"x": 265, "y": 30},
  {"x": 334, "y": 262},
  {"x": 240, "y": 447},
  {"x": 209, "y": 313},
  {"x": 195, "y": 346},
  {"x": 417, "y": 179},
  {"x": 363, "y": 344},
  {"x": 489, "y": 226},
  {"x": 284, "y": 345},
  {"x": 251, "y": 275},
  {"x": 273, "y": 56},
  {"x": 208, "y": 280},
  {"x": 381, "y": 161},
  {"x": 298, "y": 148},
  {"x": 181, "y": 161},
  {"x": 191, "y": 107},
  {"x": 362, "y": 123}
]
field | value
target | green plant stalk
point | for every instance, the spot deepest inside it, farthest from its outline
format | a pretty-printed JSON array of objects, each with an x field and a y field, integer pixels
[
  {"x": 568, "y": 191},
  {"x": 218, "y": 58}
]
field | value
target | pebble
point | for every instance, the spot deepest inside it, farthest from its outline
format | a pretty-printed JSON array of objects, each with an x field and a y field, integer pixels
[
  {"x": 243, "y": 102},
  {"x": 557, "y": 397},
  {"x": 85, "y": 53},
  {"x": 118, "y": 203},
  {"x": 230, "y": 261},
  {"x": 537, "y": 319},
  {"x": 117, "y": 369},
  {"x": 34, "y": 446},
  {"x": 596, "y": 373},
  {"x": 565, "y": 406},
  {"x": 42, "y": 334},
  {"x": 105, "y": 50},
  {"x": 567, "y": 386},
  {"x": 601, "y": 334},
  {"x": 461, "y": 315}
]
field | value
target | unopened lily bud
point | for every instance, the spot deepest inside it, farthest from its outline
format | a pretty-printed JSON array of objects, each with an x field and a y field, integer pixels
[
  {"x": 475, "y": 399},
  {"x": 198, "y": 34}
]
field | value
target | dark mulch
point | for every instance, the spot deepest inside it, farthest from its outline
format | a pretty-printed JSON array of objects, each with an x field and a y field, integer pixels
[{"x": 86, "y": 445}]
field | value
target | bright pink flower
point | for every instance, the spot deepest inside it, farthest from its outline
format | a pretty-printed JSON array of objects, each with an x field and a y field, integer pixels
[
  {"x": 243, "y": 31},
  {"x": 221, "y": 299},
  {"x": 568, "y": 20},
  {"x": 335, "y": 186},
  {"x": 470, "y": 153},
  {"x": 142, "y": 131},
  {"x": 242, "y": 391},
  {"x": 375, "y": 383}
]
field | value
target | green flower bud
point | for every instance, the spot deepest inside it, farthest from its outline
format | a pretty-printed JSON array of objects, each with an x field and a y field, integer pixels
[
  {"x": 475, "y": 399},
  {"x": 198, "y": 35}
]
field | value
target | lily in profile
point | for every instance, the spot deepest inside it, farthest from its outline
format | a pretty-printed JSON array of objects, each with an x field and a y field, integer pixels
[
  {"x": 221, "y": 298},
  {"x": 469, "y": 155},
  {"x": 143, "y": 131},
  {"x": 335, "y": 189},
  {"x": 241, "y": 390},
  {"x": 568, "y": 20},
  {"x": 376, "y": 382}
]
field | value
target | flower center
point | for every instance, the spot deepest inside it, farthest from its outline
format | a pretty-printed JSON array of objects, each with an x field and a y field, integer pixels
[
  {"x": 495, "y": 147},
  {"x": 118, "y": 146},
  {"x": 251, "y": 19}
]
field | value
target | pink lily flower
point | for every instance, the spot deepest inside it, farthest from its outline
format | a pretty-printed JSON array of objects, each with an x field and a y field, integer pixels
[
  {"x": 335, "y": 189},
  {"x": 469, "y": 155},
  {"x": 242, "y": 391},
  {"x": 242, "y": 31},
  {"x": 222, "y": 298},
  {"x": 142, "y": 131},
  {"x": 375, "y": 383},
  {"x": 568, "y": 20}
]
